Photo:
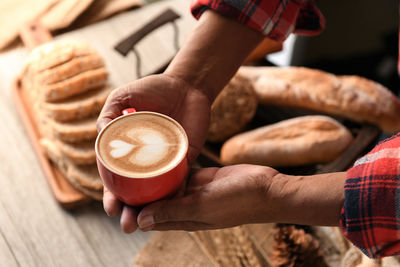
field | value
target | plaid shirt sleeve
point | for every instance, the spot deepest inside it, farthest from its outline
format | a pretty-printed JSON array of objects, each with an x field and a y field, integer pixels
[
  {"x": 370, "y": 217},
  {"x": 276, "y": 19}
]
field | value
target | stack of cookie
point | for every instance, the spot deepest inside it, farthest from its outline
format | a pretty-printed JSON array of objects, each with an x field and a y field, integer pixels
[{"x": 66, "y": 82}]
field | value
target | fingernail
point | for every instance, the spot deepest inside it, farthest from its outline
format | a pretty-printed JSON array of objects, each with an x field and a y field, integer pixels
[{"x": 146, "y": 222}]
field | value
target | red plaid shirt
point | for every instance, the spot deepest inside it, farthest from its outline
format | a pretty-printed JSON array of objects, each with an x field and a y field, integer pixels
[
  {"x": 274, "y": 18},
  {"x": 371, "y": 214}
]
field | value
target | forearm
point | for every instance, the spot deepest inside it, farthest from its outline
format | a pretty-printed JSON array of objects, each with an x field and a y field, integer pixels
[
  {"x": 213, "y": 52},
  {"x": 309, "y": 200}
]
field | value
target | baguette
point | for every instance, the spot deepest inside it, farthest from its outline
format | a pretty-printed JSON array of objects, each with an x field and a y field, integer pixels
[
  {"x": 351, "y": 97},
  {"x": 294, "y": 142}
]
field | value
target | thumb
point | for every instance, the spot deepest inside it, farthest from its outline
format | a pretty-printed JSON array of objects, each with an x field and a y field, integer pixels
[
  {"x": 165, "y": 212},
  {"x": 117, "y": 100}
]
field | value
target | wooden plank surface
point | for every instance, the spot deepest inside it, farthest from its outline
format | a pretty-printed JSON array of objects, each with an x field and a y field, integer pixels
[
  {"x": 7, "y": 257},
  {"x": 34, "y": 229}
]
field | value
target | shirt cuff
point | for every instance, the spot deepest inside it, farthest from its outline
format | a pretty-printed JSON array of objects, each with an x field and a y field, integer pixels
[
  {"x": 370, "y": 218},
  {"x": 276, "y": 19}
]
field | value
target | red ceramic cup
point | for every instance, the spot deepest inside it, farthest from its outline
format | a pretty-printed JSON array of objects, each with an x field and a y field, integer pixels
[{"x": 139, "y": 191}]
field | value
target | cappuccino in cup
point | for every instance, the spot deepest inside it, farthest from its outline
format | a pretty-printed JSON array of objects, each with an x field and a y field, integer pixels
[
  {"x": 143, "y": 145},
  {"x": 142, "y": 156}
]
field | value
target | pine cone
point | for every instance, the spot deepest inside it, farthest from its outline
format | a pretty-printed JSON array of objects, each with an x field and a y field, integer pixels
[{"x": 293, "y": 247}]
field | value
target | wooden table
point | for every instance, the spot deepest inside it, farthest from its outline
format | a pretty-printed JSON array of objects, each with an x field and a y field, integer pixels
[{"x": 34, "y": 229}]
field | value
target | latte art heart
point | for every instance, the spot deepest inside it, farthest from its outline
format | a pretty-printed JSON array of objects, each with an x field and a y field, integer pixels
[
  {"x": 120, "y": 148},
  {"x": 142, "y": 145},
  {"x": 151, "y": 147}
]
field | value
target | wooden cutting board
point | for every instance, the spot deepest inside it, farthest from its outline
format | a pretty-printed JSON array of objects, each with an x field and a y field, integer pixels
[{"x": 34, "y": 34}]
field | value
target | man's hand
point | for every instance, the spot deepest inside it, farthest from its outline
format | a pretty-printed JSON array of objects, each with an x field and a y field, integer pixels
[
  {"x": 163, "y": 94},
  {"x": 214, "y": 198},
  {"x": 242, "y": 194},
  {"x": 166, "y": 95}
]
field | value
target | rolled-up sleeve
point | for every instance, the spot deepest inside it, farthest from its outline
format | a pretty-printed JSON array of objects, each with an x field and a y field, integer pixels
[
  {"x": 276, "y": 19},
  {"x": 370, "y": 217}
]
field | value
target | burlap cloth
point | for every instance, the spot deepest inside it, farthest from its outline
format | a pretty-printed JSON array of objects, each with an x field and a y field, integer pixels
[
  {"x": 248, "y": 245},
  {"x": 226, "y": 247},
  {"x": 55, "y": 14}
]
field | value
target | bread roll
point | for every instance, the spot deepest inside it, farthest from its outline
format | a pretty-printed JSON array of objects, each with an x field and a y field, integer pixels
[
  {"x": 351, "y": 97},
  {"x": 294, "y": 142},
  {"x": 233, "y": 108}
]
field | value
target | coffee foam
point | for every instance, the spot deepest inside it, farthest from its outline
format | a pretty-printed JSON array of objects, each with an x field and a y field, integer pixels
[{"x": 142, "y": 145}]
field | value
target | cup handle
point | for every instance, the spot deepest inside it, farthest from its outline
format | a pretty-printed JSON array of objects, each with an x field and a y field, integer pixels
[{"x": 128, "y": 111}]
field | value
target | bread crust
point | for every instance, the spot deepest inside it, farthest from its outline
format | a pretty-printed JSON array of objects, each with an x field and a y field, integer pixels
[
  {"x": 69, "y": 69},
  {"x": 82, "y": 153},
  {"x": 294, "y": 142},
  {"x": 84, "y": 178},
  {"x": 75, "y": 131},
  {"x": 78, "y": 107},
  {"x": 78, "y": 84},
  {"x": 61, "y": 69},
  {"x": 351, "y": 97},
  {"x": 52, "y": 54},
  {"x": 233, "y": 108}
]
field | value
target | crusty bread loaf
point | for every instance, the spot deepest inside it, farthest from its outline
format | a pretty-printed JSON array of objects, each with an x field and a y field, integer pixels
[
  {"x": 65, "y": 84},
  {"x": 233, "y": 108},
  {"x": 294, "y": 142},
  {"x": 79, "y": 106},
  {"x": 351, "y": 97}
]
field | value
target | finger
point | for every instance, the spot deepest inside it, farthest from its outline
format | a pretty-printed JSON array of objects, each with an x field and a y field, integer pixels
[
  {"x": 198, "y": 178},
  {"x": 196, "y": 125},
  {"x": 173, "y": 210},
  {"x": 111, "y": 109},
  {"x": 128, "y": 219},
  {"x": 132, "y": 95},
  {"x": 182, "y": 188},
  {"x": 111, "y": 204},
  {"x": 185, "y": 226}
]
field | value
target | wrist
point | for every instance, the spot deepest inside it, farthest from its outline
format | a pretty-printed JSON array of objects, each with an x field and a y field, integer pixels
[
  {"x": 213, "y": 52},
  {"x": 310, "y": 200}
]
